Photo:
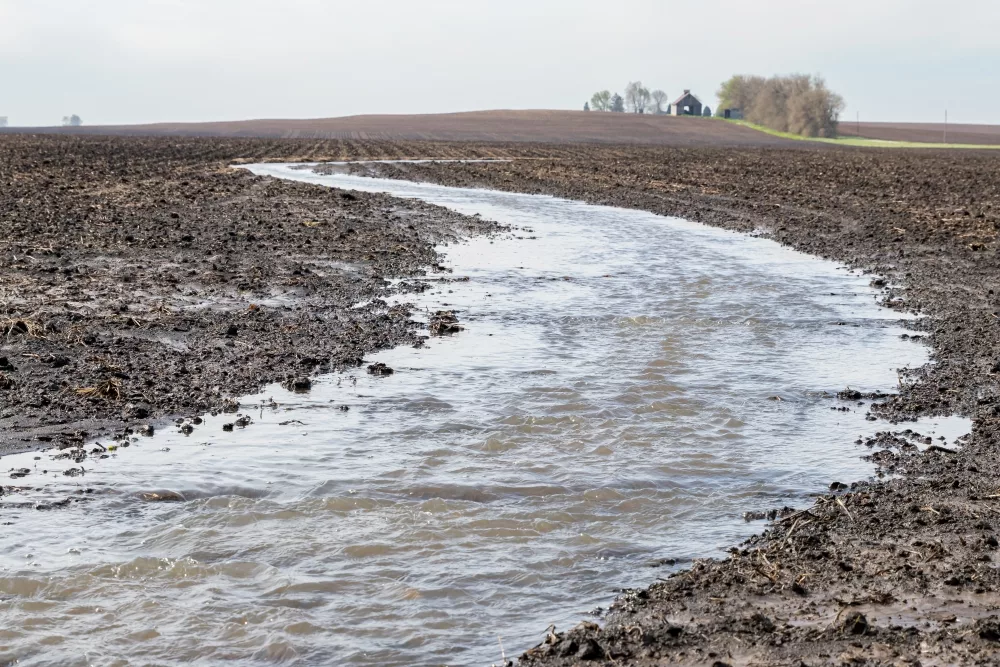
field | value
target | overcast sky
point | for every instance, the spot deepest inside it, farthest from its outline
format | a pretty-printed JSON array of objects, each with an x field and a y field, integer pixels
[{"x": 136, "y": 61}]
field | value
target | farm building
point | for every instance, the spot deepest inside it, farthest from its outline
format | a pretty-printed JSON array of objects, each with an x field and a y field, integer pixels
[
  {"x": 687, "y": 105},
  {"x": 734, "y": 114}
]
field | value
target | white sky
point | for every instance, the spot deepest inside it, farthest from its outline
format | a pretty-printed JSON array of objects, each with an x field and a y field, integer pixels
[{"x": 134, "y": 61}]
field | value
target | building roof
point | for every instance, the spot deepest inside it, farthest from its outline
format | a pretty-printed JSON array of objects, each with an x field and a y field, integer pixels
[{"x": 687, "y": 94}]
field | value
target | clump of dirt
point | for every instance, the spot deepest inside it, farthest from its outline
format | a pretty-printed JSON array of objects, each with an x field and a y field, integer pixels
[
  {"x": 380, "y": 369},
  {"x": 299, "y": 385},
  {"x": 444, "y": 323}
]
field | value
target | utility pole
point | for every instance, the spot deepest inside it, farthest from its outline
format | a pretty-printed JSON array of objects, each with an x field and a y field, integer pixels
[
  {"x": 945, "y": 126},
  {"x": 859, "y": 124}
]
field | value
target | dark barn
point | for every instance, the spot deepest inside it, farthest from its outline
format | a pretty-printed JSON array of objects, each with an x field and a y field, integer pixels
[{"x": 687, "y": 105}]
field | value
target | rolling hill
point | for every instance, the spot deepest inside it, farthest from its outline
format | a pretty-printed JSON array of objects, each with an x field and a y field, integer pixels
[{"x": 483, "y": 126}]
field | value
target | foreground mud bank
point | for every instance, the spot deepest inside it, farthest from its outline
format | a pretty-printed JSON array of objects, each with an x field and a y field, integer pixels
[
  {"x": 902, "y": 570},
  {"x": 143, "y": 279}
]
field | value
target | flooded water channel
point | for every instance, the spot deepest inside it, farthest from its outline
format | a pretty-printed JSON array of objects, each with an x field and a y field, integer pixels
[{"x": 626, "y": 387}]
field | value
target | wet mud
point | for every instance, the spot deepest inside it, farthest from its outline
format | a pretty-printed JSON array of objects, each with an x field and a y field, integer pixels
[
  {"x": 142, "y": 280},
  {"x": 897, "y": 570}
]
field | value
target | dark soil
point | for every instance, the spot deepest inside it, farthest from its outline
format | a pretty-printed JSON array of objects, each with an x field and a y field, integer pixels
[
  {"x": 144, "y": 275},
  {"x": 144, "y": 279},
  {"x": 900, "y": 570}
]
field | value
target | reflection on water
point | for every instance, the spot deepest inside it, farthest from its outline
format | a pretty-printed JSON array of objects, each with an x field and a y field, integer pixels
[{"x": 612, "y": 403}]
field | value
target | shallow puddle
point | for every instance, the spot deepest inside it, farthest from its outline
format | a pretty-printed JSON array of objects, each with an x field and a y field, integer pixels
[{"x": 625, "y": 388}]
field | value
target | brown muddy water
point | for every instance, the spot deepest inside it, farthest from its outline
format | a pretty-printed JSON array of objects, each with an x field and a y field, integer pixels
[{"x": 609, "y": 413}]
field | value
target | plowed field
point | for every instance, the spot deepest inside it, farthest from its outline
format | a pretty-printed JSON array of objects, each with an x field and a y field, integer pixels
[
  {"x": 924, "y": 132},
  {"x": 517, "y": 126}
]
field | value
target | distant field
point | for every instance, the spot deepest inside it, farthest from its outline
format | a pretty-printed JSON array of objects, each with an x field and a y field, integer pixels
[
  {"x": 483, "y": 126},
  {"x": 856, "y": 141},
  {"x": 987, "y": 135},
  {"x": 552, "y": 127}
]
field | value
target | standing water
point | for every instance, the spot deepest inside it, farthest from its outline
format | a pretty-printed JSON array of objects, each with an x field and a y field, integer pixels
[{"x": 626, "y": 387}]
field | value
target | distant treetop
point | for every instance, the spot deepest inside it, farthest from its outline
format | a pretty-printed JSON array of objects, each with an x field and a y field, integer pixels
[
  {"x": 797, "y": 103},
  {"x": 601, "y": 101}
]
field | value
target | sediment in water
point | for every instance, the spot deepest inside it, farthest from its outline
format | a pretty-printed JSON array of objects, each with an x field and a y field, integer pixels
[{"x": 901, "y": 570}]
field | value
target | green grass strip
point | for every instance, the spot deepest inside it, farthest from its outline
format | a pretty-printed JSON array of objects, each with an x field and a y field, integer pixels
[{"x": 858, "y": 141}]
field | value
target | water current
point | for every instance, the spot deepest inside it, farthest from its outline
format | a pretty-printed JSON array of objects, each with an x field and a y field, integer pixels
[{"x": 626, "y": 387}]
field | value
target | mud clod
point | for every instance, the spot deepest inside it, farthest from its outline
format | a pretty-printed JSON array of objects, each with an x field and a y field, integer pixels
[
  {"x": 855, "y": 623},
  {"x": 299, "y": 385},
  {"x": 989, "y": 629},
  {"x": 443, "y": 323},
  {"x": 380, "y": 369},
  {"x": 161, "y": 497}
]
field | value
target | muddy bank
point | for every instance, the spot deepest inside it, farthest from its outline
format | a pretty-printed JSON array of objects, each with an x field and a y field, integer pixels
[
  {"x": 145, "y": 279},
  {"x": 899, "y": 570},
  {"x": 130, "y": 284}
]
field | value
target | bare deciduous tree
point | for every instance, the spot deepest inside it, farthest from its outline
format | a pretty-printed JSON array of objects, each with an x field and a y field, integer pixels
[
  {"x": 3, "y": 121},
  {"x": 601, "y": 101},
  {"x": 797, "y": 103},
  {"x": 636, "y": 97},
  {"x": 72, "y": 121},
  {"x": 660, "y": 103},
  {"x": 739, "y": 92}
]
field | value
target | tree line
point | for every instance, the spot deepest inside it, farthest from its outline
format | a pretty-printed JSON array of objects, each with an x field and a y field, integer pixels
[
  {"x": 797, "y": 103},
  {"x": 637, "y": 99},
  {"x": 69, "y": 121}
]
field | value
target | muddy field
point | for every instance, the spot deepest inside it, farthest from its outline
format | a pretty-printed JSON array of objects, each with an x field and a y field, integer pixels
[
  {"x": 897, "y": 571},
  {"x": 481, "y": 126},
  {"x": 142, "y": 278}
]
